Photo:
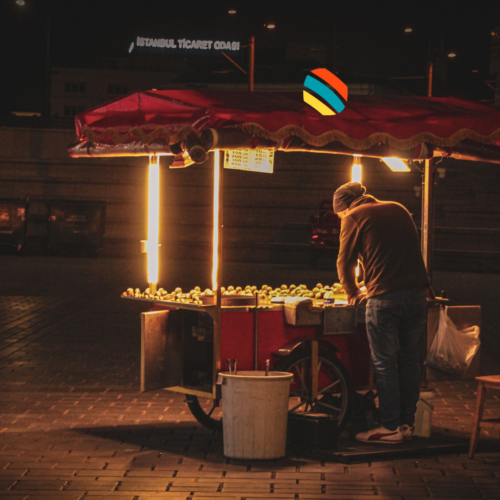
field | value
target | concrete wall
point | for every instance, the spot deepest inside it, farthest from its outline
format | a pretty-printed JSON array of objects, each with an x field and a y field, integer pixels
[{"x": 266, "y": 216}]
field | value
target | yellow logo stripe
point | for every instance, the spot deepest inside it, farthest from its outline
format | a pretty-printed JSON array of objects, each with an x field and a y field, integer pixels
[{"x": 317, "y": 104}]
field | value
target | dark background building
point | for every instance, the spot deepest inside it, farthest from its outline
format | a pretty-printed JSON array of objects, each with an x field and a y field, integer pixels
[
  {"x": 58, "y": 58},
  {"x": 81, "y": 54}
]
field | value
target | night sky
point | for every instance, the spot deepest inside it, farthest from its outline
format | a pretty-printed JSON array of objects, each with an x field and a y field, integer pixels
[{"x": 369, "y": 37}]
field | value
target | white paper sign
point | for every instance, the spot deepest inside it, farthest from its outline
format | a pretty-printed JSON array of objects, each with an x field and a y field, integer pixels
[{"x": 255, "y": 160}]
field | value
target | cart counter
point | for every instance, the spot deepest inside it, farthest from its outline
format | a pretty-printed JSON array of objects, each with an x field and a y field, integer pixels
[{"x": 180, "y": 351}]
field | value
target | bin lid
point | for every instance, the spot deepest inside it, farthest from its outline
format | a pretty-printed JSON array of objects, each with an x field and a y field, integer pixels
[{"x": 258, "y": 375}]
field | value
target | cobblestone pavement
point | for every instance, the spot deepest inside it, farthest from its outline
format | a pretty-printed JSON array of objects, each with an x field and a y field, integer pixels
[{"x": 73, "y": 424}]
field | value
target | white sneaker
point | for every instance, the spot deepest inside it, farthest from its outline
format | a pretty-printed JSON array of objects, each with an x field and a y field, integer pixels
[
  {"x": 407, "y": 431},
  {"x": 381, "y": 435}
]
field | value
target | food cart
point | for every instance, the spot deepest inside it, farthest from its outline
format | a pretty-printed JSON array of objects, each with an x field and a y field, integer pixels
[{"x": 186, "y": 338}]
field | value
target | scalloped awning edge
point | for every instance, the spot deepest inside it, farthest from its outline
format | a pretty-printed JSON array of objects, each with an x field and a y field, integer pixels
[
  {"x": 137, "y": 133},
  {"x": 371, "y": 140},
  {"x": 165, "y": 133}
]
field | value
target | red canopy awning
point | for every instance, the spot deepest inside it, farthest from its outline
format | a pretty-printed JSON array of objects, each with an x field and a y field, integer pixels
[{"x": 403, "y": 123}]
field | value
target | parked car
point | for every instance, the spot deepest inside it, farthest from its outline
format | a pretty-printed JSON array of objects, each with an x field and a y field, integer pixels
[
  {"x": 13, "y": 216},
  {"x": 324, "y": 232},
  {"x": 76, "y": 225}
]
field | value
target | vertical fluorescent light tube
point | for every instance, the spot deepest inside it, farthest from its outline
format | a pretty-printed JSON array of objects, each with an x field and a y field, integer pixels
[
  {"x": 153, "y": 221},
  {"x": 215, "y": 249},
  {"x": 356, "y": 170},
  {"x": 356, "y": 177}
]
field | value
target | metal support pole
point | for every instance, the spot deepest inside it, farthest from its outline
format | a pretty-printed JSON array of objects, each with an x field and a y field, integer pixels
[
  {"x": 497, "y": 91},
  {"x": 47, "y": 71},
  {"x": 251, "y": 66},
  {"x": 314, "y": 371},
  {"x": 430, "y": 68},
  {"x": 256, "y": 338},
  {"x": 428, "y": 216},
  {"x": 221, "y": 226},
  {"x": 218, "y": 221},
  {"x": 429, "y": 79}
]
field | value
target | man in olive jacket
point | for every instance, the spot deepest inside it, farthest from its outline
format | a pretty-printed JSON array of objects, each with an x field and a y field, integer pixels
[{"x": 383, "y": 236}]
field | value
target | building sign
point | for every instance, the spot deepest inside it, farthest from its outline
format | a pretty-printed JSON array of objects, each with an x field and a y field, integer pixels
[
  {"x": 184, "y": 44},
  {"x": 255, "y": 160}
]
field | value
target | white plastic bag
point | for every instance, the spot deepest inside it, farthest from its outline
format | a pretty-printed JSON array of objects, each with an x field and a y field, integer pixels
[{"x": 452, "y": 350}]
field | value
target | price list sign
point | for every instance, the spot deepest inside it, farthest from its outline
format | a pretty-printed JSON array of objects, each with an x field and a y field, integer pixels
[{"x": 255, "y": 160}]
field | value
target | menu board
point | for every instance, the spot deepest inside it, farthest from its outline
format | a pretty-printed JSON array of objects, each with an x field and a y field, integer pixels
[{"x": 255, "y": 160}]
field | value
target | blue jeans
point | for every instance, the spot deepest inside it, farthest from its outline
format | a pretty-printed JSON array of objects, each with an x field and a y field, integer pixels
[{"x": 396, "y": 323}]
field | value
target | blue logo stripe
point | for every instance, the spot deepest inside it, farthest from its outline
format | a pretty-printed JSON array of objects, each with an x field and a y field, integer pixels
[{"x": 324, "y": 92}]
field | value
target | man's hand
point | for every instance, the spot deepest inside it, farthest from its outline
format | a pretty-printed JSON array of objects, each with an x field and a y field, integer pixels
[{"x": 357, "y": 298}]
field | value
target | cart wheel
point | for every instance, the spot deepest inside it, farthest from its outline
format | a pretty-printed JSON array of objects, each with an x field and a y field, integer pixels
[
  {"x": 334, "y": 385},
  {"x": 204, "y": 418}
]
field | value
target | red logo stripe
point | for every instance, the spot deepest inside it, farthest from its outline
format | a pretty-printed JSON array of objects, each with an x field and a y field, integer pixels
[{"x": 331, "y": 79}]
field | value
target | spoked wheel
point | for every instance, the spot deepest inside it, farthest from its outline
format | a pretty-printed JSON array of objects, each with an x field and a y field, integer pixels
[
  {"x": 211, "y": 419},
  {"x": 330, "y": 393}
]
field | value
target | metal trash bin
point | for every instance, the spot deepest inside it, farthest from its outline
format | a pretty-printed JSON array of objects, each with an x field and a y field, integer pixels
[
  {"x": 255, "y": 412},
  {"x": 13, "y": 215},
  {"x": 76, "y": 224}
]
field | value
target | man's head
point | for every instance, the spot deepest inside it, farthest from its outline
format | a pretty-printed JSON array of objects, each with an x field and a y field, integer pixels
[{"x": 345, "y": 195}]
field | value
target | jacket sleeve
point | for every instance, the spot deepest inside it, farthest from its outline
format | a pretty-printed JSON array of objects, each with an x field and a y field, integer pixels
[{"x": 348, "y": 254}]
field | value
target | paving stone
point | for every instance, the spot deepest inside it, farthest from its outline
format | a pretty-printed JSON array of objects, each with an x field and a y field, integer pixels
[
  {"x": 97, "y": 496},
  {"x": 351, "y": 477},
  {"x": 99, "y": 473},
  {"x": 94, "y": 486},
  {"x": 403, "y": 490},
  {"x": 299, "y": 475},
  {"x": 52, "y": 473},
  {"x": 249, "y": 475},
  {"x": 348, "y": 496},
  {"x": 418, "y": 472},
  {"x": 455, "y": 492},
  {"x": 111, "y": 495},
  {"x": 211, "y": 489},
  {"x": 27, "y": 485},
  {"x": 150, "y": 473},
  {"x": 80, "y": 412},
  {"x": 142, "y": 486},
  {"x": 252, "y": 495},
  {"x": 32, "y": 465},
  {"x": 59, "y": 495},
  {"x": 220, "y": 496},
  {"x": 5, "y": 473}
]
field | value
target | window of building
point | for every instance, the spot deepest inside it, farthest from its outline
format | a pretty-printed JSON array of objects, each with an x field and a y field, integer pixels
[
  {"x": 73, "y": 110},
  {"x": 117, "y": 88},
  {"x": 74, "y": 87}
]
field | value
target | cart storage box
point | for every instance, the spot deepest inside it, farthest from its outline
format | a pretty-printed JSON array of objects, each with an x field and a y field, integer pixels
[
  {"x": 300, "y": 311},
  {"x": 13, "y": 222},
  {"x": 76, "y": 224}
]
